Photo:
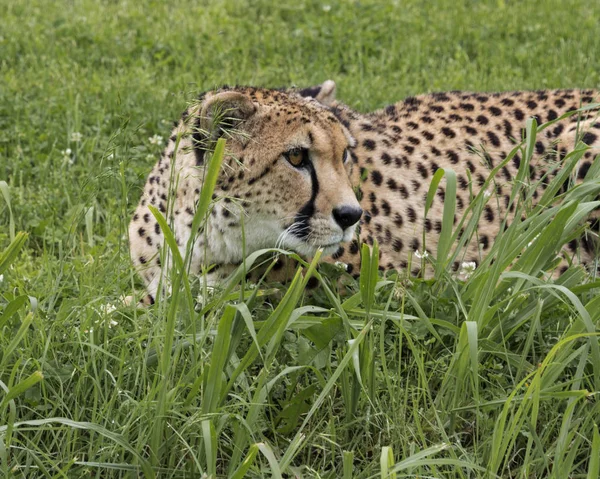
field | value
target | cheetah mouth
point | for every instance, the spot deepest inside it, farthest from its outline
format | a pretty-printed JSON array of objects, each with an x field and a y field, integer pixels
[
  {"x": 308, "y": 246},
  {"x": 311, "y": 248}
]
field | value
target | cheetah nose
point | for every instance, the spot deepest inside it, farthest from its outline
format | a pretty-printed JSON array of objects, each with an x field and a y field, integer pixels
[{"x": 346, "y": 216}]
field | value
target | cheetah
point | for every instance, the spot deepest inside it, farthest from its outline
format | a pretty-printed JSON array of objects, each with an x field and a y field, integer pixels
[{"x": 296, "y": 160}]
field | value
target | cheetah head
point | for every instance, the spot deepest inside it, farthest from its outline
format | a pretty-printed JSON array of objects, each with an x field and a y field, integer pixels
[{"x": 284, "y": 180}]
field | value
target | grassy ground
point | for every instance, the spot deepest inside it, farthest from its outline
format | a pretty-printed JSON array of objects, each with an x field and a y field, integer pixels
[{"x": 486, "y": 378}]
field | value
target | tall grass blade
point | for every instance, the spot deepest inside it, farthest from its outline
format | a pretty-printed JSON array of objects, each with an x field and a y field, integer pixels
[
  {"x": 387, "y": 461},
  {"x": 594, "y": 465},
  {"x": 270, "y": 455},
  {"x": 244, "y": 467},
  {"x": 8, "y": 256},
  {"x": 11, "y": 220},
  {"x": 348, "y": 464},
  {"x": 209, "y": 437},
  {"x": 216, "y": 382}
]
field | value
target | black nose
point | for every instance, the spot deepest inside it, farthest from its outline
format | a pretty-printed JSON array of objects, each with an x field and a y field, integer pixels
[{"x": 346, "y": 216}]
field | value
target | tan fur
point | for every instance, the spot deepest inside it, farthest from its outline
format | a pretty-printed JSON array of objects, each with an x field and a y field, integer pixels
[
  {"x": 400, "y": 147},
  {"x": 396, "y": 150},
  {"x": 259, "y": 193}
]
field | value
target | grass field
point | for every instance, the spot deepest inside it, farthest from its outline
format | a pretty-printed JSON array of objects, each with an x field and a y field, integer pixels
[{"x": 492, "y": 377}]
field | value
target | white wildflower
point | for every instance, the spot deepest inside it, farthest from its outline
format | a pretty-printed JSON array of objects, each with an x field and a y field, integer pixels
[
  {"x": 423, "y": 255},
  {"x": 112, "y": 323},
  {"x": 156, "y": 140},
  {"x": 467, "y": 268},
  {"x": 107, "y": 308},
  {"x": 326, "y": 8},
  {"x": 1, "y": 278},
  {"x": 67, "y": 156},
  {"x": 76, "y": 137},
  {"x": 110, "y": 156},
  {"x": 487, "y": 194}
]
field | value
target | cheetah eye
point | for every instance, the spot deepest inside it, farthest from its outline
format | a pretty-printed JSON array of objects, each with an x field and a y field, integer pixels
[{"x": 298, "y": 157}]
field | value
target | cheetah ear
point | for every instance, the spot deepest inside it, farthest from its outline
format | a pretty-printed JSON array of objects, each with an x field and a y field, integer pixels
[
  {"x": 324, "y": 93},
  {"x": 225, "y": 110}
]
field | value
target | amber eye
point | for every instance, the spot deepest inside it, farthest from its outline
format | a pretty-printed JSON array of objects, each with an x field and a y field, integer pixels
[{"x": 297, "y": 156}]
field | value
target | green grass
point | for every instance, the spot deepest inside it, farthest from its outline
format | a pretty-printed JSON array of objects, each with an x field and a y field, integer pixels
[{"x": 495, "y": 377}]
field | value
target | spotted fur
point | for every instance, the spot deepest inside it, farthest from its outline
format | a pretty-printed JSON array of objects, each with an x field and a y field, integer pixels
[
  {"x": 388, "y": 157},
  {"x": 400, "y": 147},
  {"x": 261, "y": 196}
]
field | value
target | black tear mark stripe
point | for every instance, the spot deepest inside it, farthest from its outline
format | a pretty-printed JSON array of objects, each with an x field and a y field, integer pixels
[{"x": 309, "y": 208}]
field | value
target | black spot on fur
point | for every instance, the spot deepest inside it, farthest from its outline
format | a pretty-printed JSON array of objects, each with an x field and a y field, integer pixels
[
  {"x": 369, "y": 145},
  {"x": 376, "y": 177},
  {"x": 583, "y": 169},
  {"x": 589, "y": 138},
  {"x": 484, "y": 241},
  {"x": 489, "y": 213},
  {"x": 385, "y": 206},
  {"x": 452, "y": 156},
  {"x": 531, "y": 105},
  {"x": 403, "y": 191},
  {"x": 558, "y": 129},
  {"x": 539, "y": 148},
  {"x": 493, "y": 138},
  {"x": 448, "y": 132},
  {"x": 398, "y": 220},
  {"x": 507, "y": 129},
  {"x": 519, "y": 115}
]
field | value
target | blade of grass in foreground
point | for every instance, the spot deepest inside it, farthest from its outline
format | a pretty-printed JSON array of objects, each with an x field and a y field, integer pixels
[{"x": 11, "y": 219}]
